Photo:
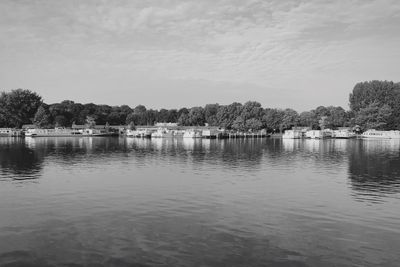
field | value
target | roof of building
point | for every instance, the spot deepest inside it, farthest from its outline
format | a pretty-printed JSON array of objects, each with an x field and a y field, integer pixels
[
  {"x": 29, "y": 126},
  {"x": 84, "y": 126}
]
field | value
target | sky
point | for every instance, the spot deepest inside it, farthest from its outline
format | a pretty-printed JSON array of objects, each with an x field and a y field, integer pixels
[{"x": 172, "y": 54}]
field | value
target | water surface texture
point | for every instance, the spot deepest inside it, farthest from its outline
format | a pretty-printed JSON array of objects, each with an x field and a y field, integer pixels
[{"x": 168, "y": 202}]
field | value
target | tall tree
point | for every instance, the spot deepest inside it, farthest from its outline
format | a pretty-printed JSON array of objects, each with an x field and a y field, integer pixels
[
  {"x": 239, "y": 124},
  {"x": 114, "y": 118},
  {"x": 124, "y": 110},
  {"x": 272, "y": 119},
  {"x": 184, "y": 120},
  {"x": 290, "y": 118},
  {"x": 172, "y": 115},
  {"x": 308, "y": 119},
  {"x": 90, "y": 122},
  {"x": 150, "y": 116},
  {"x": 42, "y": 117},
  {"x": 367, "y": 96},
  {"x": 337, "y": 117},
  {"x": 101, "y": 113},
  {"x": 18, "y": 107},
  {"x": 226, "y": 115},
  {"x": 162, "y": 115},
  {"x": 374, "y": 116},
  {"x": 210, "y": 113},
  {"x": 196, "y": 116},
  {"x": 60, "y": 121},
  {"x": 378, "y": 92},
  {"x": 253, "y": 124},
  {"x": 140, "y": 115}
]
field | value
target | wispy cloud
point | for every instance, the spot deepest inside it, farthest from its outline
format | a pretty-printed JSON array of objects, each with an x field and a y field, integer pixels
[{"x": 306, "y": 47}]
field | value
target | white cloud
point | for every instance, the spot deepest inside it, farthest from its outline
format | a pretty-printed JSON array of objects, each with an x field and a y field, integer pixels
[{"x": 264, "y": 44}]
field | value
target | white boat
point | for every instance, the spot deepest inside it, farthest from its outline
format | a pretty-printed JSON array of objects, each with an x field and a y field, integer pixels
[
  {"x": 9, "y": 132},
  {"x": 141, "y": 133},
  {"x": 315, "y": 134},
  {"x": 343, "y": 134},
  {"x": 30, "y": 133},
  {"x": 395, "y": 134},
  {"x": 162, "y": 133},
  {"x": 209, "y": 133},
  {"x": 319, "y": 134},
  {"x": 374, "y": 134},
  {"x": 56, "y": 132},
  {"x": 97, "y": 132},
  {"x": 130, "y": 133},
  {"x": 327, "y": 133},
  {"x": 192, "y": 134},
  {"x": 292, "y": 134}
]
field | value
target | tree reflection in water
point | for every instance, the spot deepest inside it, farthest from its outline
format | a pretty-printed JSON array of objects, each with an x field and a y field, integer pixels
[
  {"x": 374, "y": 167},
  {"x": 18, "y": 161}
]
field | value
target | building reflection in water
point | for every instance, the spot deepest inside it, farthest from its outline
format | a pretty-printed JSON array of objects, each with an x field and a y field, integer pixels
[
  {"x": 313, "y": 145},
  {"x": 237, "y": 152},
  {"x": 20, "y": 159},
  {"x": 191, "y": 144},
  {"x": 328, "y": 155},
  {"x": 374, "y": 168}
]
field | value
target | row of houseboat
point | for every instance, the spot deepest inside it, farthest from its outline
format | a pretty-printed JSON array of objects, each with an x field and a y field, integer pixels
[
  {"x": 56, "y": 132},
  {"x": 340, "y": 134},
  {"x": 192, "y": 133},
  {"x": 210, "y": 133},
  {"x": 373, "y": 134},
  {"x": 318, "y": 134},
  {"x": 5, "y": 132},
  {"x": 141, "y": 132},
  {"x": 64, "y": 132}
]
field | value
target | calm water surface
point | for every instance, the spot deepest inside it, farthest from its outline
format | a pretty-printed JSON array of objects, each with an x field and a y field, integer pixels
[{"x": 168, "y": 202}]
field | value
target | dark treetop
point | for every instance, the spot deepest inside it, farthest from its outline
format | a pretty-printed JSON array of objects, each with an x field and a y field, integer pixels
[{"x": 373, "y": 104}]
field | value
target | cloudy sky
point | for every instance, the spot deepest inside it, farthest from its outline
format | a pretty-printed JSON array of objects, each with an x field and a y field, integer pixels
[{"x": 169, "y": 53}]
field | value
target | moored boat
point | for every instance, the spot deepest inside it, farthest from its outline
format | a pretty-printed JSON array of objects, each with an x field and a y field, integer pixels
[
  {"x": 292, "y": 134},
  {"x": 162, "y": 133},
  {"x": 375, "y": 134},
  {"x": 142, "y": 133},
  {"x": 56, "y": 132},
  {"x": 7, "y": 132},
  {"x": 192, "y": 134},
  {"x": 315, "y": 134},
  {"x": 209, "y": 133},
  {"x": 98, "y": 132},
  {"x": 66, "y": 132},
  {"x": 318, "y": 134},
  {"x": 343, "y": 134}
]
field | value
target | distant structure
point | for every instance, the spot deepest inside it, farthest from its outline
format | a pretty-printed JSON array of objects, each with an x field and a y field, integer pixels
[
  {"x": 166, "y": 124},
  {"x": 10, "y": 132}
]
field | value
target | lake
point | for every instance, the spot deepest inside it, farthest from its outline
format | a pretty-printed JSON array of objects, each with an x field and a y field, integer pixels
[{"x": 174, "y": 202}]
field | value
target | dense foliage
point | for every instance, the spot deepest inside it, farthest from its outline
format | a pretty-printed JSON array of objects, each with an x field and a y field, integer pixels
[
  {"x": 18, "y": 107},
  {"x": 374, "y": 104}
]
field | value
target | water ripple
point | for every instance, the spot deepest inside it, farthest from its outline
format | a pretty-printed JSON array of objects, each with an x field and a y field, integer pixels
[{"x": 169, "y": 202}]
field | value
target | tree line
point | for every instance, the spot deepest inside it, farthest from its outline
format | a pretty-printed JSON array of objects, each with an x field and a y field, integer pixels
[{"x": 373, "y": 104}]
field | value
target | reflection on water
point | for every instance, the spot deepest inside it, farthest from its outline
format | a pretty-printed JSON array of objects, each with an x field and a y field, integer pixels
[
  {"x": 194, "y": 202},
  {"x": 18, "y": 160},
  {"x": 374, "y": 167}
]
